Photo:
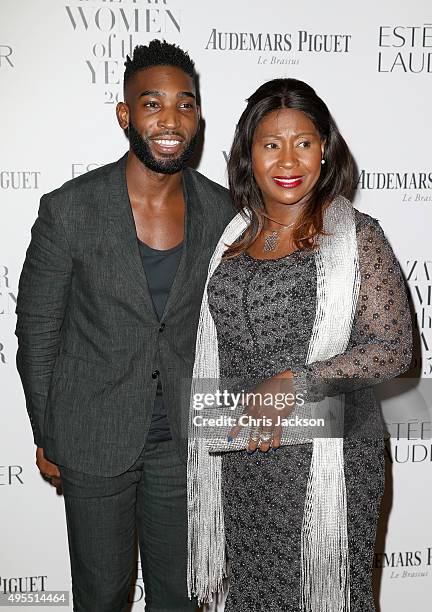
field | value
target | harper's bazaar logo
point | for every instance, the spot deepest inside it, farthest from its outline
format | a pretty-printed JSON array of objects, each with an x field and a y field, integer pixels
[
  {"x": 8, "y": 299},
  {"x": 405, "y": 564},
  {"x": 115, "y": 31},
  {"x": 11, "y": 474},
  {"x": 6, "y": 56},
  {"x": 405, "y": 48},
  {"x": 103, "y": 18},
  {"x": 418, "y": 273}
]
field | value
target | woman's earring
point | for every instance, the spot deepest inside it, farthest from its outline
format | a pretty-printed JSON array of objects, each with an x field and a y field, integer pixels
[{"x": 323, "y": 161}]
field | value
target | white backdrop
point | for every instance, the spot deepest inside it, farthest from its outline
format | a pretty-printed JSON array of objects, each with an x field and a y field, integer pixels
[{"x": 61, "y": 66}]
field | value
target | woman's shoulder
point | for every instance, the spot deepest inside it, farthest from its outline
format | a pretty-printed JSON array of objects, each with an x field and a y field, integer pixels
[
  {"x": 364, "y": 222},
  {"x": 370, "y": 234}
]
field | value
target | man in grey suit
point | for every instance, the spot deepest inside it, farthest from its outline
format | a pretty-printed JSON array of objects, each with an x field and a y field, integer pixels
[{"x": 108, "y": 308}]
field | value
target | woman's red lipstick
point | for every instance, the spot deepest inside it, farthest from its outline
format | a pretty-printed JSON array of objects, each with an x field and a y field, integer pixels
[{"x": 288, "y": 182}]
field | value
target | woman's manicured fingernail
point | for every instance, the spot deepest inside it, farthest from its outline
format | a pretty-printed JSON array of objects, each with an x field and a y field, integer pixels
[
  {"x": 230, "y": 438},
  {"x": 275, "y": 449}
]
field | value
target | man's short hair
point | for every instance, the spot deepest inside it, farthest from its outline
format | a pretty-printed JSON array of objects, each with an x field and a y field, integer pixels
[{"x": 158, "y": 53}]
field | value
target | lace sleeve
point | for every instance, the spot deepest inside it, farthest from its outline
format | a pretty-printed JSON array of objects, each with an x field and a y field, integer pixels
[{"x": 380, "y": 345}]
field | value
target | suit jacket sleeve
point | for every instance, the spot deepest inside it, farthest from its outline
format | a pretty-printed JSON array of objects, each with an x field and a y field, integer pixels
[{"x": 41, "y": 305}]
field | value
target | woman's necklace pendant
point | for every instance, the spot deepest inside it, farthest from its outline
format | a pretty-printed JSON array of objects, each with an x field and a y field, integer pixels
[{"x": 271, "y": 241}]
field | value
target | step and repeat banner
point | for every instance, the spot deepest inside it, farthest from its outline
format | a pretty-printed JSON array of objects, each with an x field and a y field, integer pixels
[{"x": 61, "y": 67}]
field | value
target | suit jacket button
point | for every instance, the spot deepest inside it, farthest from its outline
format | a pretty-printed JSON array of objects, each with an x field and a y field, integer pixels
[{"x": 155, "y": 374}]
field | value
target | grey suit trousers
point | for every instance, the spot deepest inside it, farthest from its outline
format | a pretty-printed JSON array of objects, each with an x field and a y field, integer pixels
[{"x": 104, "y": 514}]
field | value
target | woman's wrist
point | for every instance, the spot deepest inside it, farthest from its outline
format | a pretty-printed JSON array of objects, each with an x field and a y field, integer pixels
[{"x": 307, "y": 384}]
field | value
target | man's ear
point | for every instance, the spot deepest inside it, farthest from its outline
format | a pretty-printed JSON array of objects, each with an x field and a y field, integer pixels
[{"x": 122, "y": 112}]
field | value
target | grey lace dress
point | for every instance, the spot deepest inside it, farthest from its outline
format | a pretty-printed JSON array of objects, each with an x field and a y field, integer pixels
[{"x": 264, "y": 312}]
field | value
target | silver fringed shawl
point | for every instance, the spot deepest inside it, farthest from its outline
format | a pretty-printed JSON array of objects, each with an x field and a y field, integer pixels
[{"x": 324, "y": 541}]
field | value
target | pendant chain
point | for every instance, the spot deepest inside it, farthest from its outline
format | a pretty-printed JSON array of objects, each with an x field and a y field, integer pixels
[{"x": 271, "y": 241}]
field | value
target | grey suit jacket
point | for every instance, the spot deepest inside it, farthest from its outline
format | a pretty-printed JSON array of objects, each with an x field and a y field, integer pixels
[{"x": 91, "y": 348}]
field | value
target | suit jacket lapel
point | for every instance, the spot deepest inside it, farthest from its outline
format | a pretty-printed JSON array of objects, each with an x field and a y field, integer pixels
[
  {"x": 192, "y": 246},
  {"x": 122, "y": 229}
]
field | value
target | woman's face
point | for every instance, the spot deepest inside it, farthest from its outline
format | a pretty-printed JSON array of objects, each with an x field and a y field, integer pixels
[{"x": 286, "y": 157}]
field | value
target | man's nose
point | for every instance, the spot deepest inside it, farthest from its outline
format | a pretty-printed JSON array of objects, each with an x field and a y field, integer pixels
[{"x": 169, "y": 118}]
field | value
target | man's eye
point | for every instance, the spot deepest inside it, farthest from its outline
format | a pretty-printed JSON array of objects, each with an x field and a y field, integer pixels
[
  {"x": 271, "y": 145},
  {"x": 151, "y": 104},
  {"x": 305, "y": 144},
  {"x": 186, "y": 105}
]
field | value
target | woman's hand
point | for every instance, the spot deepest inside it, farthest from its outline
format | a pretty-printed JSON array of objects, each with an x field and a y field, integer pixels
[{"x": 267, "y": 404}]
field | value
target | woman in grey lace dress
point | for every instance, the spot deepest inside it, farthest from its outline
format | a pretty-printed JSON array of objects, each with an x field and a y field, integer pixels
[{"x": 288, "y": 164}]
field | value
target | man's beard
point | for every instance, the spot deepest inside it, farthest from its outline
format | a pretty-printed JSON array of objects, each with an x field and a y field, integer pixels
[{"x": 142, "y": 150}]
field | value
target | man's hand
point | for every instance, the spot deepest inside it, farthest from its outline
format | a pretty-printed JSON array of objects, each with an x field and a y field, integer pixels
[{"x": 48, "y": 470}]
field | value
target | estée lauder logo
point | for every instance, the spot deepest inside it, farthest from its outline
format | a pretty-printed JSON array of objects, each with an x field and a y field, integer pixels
[
  {"x": 11, "y": 474},
  {"x": 6, "y": 56},
  {"x": 405, "y": 48},
  {"x": 79, "y": 168}
]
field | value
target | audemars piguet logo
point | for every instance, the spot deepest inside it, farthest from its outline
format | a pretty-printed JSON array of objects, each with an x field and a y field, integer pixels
[
  {"x": 415, "y": 185},
  {"x": 406, "y": 563},
  {"x": 301, "y": 41},
  {"x": 405, "y": 48},
  {"x": 22, "y": 584},
  {"x": 114, "y": 31},
  {"x": 395, "y": 180},
  {"x": 19, "y": 179}
]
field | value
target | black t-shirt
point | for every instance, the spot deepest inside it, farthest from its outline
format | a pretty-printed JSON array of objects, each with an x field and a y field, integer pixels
[{"x": 160, "y": 269}]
